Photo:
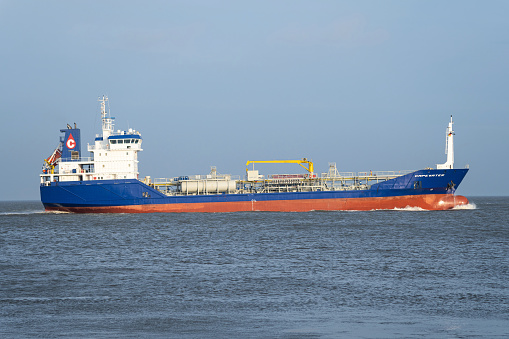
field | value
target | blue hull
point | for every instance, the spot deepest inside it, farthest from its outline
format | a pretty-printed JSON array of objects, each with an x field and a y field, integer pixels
[{"x": 120, "y": 195}]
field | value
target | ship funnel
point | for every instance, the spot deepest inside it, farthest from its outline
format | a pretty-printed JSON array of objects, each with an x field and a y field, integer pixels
[{"x": 449, "y": 148}]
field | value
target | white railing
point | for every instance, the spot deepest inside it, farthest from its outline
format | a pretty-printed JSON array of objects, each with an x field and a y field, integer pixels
[
  {"x": 82, "y": 159},
  {"x": 346, "y": 175},
  {"x": 70, "y": 172},
  {"x": 389, "y": 173}
]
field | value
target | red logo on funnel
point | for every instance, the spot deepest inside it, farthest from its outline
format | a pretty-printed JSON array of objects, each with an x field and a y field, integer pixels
[{"x": 71, "y": 143}]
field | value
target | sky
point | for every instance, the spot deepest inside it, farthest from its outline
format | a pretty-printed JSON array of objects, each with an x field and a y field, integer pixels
[{"x": 370, "y": 85}]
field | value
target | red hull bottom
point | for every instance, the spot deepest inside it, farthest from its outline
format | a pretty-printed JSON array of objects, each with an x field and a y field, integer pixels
[{"x": 426, "y": 202}]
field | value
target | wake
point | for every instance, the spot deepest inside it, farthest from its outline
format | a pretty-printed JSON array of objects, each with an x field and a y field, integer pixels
[
  {"x": 469, "y": 206},
  {"x": 32, "y": 212},
  {"x": 409, "y": 209},
  {"x": 23, "y": 212}
]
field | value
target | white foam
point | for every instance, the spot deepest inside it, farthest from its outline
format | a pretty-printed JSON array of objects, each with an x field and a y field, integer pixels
[
  {"x": 469, "y": 206},
  {"x": 22, "y": 212},
  {"x": 33, "y": 212},
  {"x": 56, "y": 212},
  {"x": 409, "y": 208}
]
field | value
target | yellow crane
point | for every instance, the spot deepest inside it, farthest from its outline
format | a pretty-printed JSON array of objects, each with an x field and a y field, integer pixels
[
  {"x": 302, "y": 161},
  {"x": 51, "y": 162}
]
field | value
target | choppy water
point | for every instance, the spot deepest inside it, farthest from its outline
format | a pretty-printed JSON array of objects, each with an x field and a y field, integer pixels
[{"x": 378, "y": 274}]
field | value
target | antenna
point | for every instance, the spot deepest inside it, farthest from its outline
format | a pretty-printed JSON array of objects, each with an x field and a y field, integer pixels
[
  {"x": 103, "y": 106},
  {"x": 107, "y": 121}
]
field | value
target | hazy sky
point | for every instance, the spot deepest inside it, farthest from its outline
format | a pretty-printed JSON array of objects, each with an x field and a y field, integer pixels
[{"x": 369, "y": 85}]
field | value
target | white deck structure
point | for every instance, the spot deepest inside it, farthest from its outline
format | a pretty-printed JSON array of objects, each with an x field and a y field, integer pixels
[{"x": 113, "y": 156}]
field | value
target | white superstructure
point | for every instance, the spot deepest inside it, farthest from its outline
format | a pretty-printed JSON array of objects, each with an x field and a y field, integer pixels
[
  {"x": 449, "y": 148},
  {"x": 114, "y": 155}
]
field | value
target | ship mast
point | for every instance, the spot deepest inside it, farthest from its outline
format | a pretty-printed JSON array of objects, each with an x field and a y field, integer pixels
[
  {"x": 107, "y": 122},
  {"x": 449, "y": 148}
]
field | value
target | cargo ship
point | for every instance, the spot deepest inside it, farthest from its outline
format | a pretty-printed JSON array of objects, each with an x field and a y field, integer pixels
[{"x": 107, "y": 181}]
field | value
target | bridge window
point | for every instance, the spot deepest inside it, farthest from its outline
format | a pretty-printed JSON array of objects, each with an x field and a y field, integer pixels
[{"x": 113, "y": 142}]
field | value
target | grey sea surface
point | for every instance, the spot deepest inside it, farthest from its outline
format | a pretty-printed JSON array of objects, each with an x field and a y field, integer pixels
[{"x": 378, "y": 274}]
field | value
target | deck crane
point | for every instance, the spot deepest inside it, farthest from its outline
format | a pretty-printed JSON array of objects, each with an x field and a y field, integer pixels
[{"x": 52, "y": 160}]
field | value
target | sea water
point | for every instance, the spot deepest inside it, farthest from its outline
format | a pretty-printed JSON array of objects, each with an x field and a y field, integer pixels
[{"x": 377, "y": 274}]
